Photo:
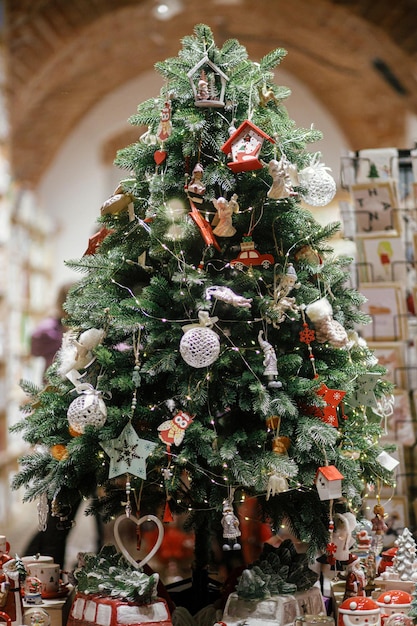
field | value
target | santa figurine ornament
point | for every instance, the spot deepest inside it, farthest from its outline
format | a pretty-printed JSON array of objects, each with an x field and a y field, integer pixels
[
  {"x": 231, "y": 530},
  {"x": 355, "y": 578}
]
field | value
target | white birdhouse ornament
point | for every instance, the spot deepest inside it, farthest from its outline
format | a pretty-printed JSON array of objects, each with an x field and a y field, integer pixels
[{"x": 329, "y": 482}]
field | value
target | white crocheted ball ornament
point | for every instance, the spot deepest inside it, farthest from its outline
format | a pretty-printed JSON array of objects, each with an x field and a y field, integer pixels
[
  {"x": 200, "y": 346},
  {"x": 86, "y": 410},
  {"x": 320, "y": 185}
]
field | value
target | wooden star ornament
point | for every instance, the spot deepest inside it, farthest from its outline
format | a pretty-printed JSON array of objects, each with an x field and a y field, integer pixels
[
  {"x": 364, "y": 394},
  {"x": 128, "y": 453}
]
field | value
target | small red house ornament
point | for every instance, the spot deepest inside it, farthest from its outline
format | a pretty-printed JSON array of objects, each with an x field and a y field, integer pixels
[
  {"x": 244, "y": 145},
  {"x": 329, "y": 482}
]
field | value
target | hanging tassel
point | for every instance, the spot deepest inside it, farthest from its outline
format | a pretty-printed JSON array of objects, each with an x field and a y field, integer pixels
[{"x": 168, "y": 517}]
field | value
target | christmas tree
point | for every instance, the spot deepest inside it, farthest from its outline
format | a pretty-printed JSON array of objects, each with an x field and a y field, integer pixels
[{"x": 212, "y": 352}]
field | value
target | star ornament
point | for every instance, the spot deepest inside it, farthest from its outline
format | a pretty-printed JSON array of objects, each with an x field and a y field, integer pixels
[
  {"x": 364, "y": 394},
  {"x": 332, "y": 397},
  {"x": 128, "y": 453}
]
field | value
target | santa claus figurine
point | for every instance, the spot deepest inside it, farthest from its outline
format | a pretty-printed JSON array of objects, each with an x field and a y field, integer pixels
[
  {"x": 359, "y": 611},
  {"x": 355, "y": 578},
  {"x": 393, "y": 601}
]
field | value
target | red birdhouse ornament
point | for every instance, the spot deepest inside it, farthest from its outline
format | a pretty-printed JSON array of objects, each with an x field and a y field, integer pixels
[
  {"x": 329, "y": 482},
  {"x": 244, "y": 145}
]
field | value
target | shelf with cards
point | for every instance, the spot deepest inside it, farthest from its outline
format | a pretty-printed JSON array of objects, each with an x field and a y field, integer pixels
[
  {"x": 381, "y": 220},
  {"x": 25, "y": 293}
]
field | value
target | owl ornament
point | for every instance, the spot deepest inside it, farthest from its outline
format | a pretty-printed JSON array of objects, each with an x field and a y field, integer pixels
[
  {"x": 326, "y": 328},
  {"x": 172, "y": 431}
]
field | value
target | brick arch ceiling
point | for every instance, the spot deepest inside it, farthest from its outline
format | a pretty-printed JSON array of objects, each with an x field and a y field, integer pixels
[{"x": 357, "y": 56}]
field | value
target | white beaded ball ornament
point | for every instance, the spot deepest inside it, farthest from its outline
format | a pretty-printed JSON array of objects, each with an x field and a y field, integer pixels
[
  {"x": 200, "y": 347},
  {"x": 86, "y": 410},
  {"x": 320, "y": 185}
]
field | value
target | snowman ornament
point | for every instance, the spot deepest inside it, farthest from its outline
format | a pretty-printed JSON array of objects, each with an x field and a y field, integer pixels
[{"x": 359, "y": 611}]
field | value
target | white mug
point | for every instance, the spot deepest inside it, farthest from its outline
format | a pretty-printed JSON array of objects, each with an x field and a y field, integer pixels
[
  {"x": 47, "y": 573},
  {"x": 4, "y": 545}
]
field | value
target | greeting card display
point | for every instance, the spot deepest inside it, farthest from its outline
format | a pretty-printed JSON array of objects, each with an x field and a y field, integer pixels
[
  {"x": 382, "y": 259},
  {"x": 386, "y": 306},
  {"x": 375, "y": 207}
]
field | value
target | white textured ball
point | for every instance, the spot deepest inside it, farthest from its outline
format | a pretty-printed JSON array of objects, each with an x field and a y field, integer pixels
[
  {"x": 320, "y": 186},
  {"x": 200, "y": 347},
  {"x": 86, "y": 410}
]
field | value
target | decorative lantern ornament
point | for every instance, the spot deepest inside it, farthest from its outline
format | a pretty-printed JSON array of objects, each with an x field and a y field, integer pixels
[
  {"x": 200, "y": 345},
  {"x": 208, "y": 83},
  {"x": 86, "y": 410},
  {"x": 320, "y": 187}
]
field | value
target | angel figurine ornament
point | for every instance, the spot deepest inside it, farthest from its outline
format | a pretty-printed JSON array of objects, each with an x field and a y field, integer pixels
[{"x": 223, "y": 220}]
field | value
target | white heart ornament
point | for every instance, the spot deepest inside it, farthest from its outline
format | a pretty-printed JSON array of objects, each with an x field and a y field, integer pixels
[{"x": 138, "y": 522}]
